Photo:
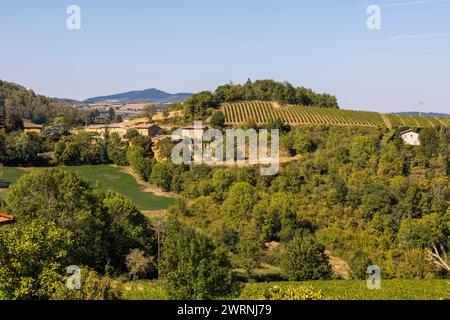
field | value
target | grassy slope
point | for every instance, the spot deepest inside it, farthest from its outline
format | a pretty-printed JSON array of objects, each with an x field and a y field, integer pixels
[
  {"x": 332, "y": 290},
  {"x": 109, "y": 177}
]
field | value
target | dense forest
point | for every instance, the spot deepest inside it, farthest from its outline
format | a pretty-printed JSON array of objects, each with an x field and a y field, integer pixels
[{"x": 361, "y": 192}]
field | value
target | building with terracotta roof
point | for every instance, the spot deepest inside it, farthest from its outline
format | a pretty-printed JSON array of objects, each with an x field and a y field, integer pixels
[
  {"x": 6, "y": 219},
  {"x": 31, "y": 127}
]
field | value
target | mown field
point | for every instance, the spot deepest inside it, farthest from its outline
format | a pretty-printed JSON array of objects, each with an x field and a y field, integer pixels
[
  {"x": 109, "y": 177},
  {"x": 263, "y": 112},
  {"x": 332, "y": 290}
]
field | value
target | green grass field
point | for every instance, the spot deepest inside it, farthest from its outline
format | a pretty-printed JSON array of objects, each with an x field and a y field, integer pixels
[
  {"x": 109, "y": 177},
  {"x": 332, "y": 290},
  {"x": 357, "y": 290}
]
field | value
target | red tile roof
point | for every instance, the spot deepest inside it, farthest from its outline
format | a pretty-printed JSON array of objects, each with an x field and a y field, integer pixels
[{"x": 5, "y": 218}]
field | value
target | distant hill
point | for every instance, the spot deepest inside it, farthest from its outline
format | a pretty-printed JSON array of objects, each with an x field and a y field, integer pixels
[
  {"x": 142, "y": 96},
  {"x": 34, "y": 107},
  {"x": 69, "y": 102},
  {"x": 425, "y": 114}
]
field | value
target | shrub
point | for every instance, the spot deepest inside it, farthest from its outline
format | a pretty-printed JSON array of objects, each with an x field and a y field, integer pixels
[
  {"x": 93, "y": 287},
  {"x": 162, "y": 175},
  {"x": 138, "y": 263},
  {"x": 140, "y": 164},
  {"x": 217, "y": 119},
  {"x": 305, "y": 259},
  {"x": 290, "y": 293},
  {"x": 250, "y": 251},
  {"x": 192, "y": 267},
  {"x": 418, "y": 264},
  {"x": 358, "y": 265}
]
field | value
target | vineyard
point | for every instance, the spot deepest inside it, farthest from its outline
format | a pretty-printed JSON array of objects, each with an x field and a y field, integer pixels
[{"x": 263, "y": 112}]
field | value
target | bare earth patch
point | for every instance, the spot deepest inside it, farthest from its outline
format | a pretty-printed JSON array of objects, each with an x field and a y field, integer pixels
[{"x": 340, "y": 267}]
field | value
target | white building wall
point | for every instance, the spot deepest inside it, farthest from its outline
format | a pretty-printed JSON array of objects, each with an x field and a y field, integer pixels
[{"x": 411, "y": 138}]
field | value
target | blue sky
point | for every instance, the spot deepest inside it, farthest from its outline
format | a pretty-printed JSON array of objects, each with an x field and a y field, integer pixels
[{"x": 188, "y": 46}]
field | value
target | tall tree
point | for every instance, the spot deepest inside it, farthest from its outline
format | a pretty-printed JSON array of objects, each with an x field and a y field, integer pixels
[
  {"x": 2, "y": 113},
  {"x": 149, "y": 111},
  {"x": 217, "y": 120},
  {"x": 166, "y": 114},
  {"x": 112, "y": 114},
  {"x": 138, "y": 264},
  {"x": 14, "y": 122}
]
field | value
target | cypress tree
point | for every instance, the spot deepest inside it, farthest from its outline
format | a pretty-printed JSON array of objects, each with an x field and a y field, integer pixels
[{"x": 2, "y": 113}]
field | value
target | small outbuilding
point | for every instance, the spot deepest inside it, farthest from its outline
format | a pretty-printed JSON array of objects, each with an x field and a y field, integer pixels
[{"x": 410, "y": 137}]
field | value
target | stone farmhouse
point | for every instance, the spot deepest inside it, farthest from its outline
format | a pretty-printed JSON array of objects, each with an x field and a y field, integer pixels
[{"x": 121, "y": 129}]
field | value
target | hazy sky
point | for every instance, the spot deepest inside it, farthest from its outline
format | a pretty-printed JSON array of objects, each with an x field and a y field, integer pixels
[{"x": 188, "y": 46}]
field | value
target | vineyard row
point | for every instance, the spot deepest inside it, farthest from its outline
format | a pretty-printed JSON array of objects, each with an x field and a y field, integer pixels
[{"x": 263, "y": 112}]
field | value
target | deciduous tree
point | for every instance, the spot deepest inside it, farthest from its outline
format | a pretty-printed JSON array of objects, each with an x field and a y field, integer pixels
[
  {"x": 192, "y": 267},
  {"x": 305, "y": 259}
]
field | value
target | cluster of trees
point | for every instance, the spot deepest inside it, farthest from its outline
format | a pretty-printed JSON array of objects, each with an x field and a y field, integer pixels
[
  {"x": 223, "y": 200},
  {"x": 56, "y": 146},
  {"x": 85, "y": 148},
  {"x": 164, "y": 175},
  {"x": 80, "y": 149},
  {"x": 21, "y": 149},
  {"x": 200, "y": 104},
  {"x": 62, "y": 221},
  {"x": 361, "y": 192}
]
